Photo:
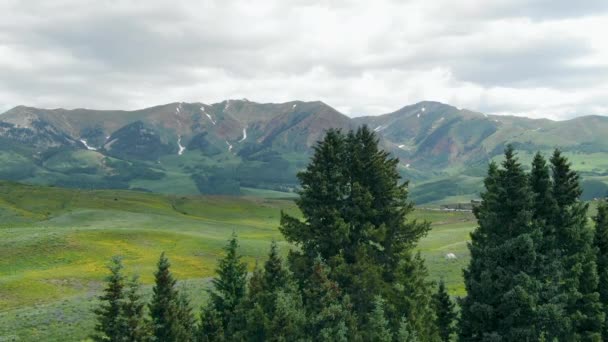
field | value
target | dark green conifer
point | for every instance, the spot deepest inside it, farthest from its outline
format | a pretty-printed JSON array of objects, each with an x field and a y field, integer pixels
[
  {"x": 288, "y": 319},
  {"x": 552, "y": 301},
  {"x": 164, "y": 305},
  {"x": 501, "y": 279},
  {"x": 185, "y": 318},
  {"x": 405, "y": 333},
  {"x": 211, "y": 328},
  {"x": 255, "y": 317},
  {"x": 601, "y": 246},
  {"x": 575, "y": 242},
  {"x": 229, "y": 286},
  {"x": 378, "y": 327},
  {"x": 355, "y": 212},
  {"x": 110, "y": 326},
  {"x": 275, "y": 275},
  {"x": 137, "y": 328},
  {"x": 330, "y": 316},
  {"x": 446, "y": 313}
]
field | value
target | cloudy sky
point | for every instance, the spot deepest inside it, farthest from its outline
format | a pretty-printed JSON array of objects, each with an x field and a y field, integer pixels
[{"x": 540, "y": 58}]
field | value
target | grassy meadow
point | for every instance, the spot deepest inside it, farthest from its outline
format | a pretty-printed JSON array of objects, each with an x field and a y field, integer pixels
[{"x": 55, "y": 243}]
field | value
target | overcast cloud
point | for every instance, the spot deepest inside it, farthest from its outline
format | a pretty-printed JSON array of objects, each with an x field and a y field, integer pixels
[{"x": 544, "y": 58}]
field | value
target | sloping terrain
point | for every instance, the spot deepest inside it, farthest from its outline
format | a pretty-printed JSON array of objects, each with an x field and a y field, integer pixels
[
  {"x": 226, "y": 147},
  {"x": 55, "y": 243}
]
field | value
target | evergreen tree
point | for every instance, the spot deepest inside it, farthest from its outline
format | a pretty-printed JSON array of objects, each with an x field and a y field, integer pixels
[
  {"x": 552, "y": 301},
  {"x": 446, "y": 314},
  {"x": 330, "y": 315},
  {"x": 541, "y": 186},
  {"x": 255, "y": 316},
  {"x": 405, "y": 333},
  {"x": 288, "y": 320},
  {"x": 270, "y": 287},
  {"x": 355, "y": 219},
  {"x": 575, "y": 242},
  {"x": 502, "y": 287},
  {"x": 275, "y": 274},
  {"x": 378, "y": 329},
  {"x": 164, "y": 305},
  {"x": 601, "y": 245},
  {"x": 211, "y": 328},
  {"x": 133, "y": 313},
  {"x": 110, "y": 326},
  {"x": 185, "y": 318},
  {"x": 229, "y": 286}
]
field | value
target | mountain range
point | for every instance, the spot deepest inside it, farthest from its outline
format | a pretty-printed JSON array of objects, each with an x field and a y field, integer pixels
[{"x": 244, "y": 147}]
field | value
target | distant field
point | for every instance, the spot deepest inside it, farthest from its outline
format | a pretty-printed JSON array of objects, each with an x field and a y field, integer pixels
[{"x": 54, "y": 244}]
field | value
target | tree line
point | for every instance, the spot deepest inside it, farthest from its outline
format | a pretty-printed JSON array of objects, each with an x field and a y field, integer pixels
[{"x": 354, "y": 273}]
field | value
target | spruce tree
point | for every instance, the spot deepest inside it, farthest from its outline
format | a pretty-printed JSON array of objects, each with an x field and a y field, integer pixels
[
  {"x": 275, "y": 274},
  {"x": 552, "y": 300},
  {"x": 355, "y": 210},
  {"x": 256, "y": 320},
  {"x": 575, "y": 242},
  {"x": 133, "y": 313},
  {"x": 330, "y": 316},
  {"x": 405, "y": 333},
  {"x": 164, "y": 304},
  {"x": 378, "y": 328},
  {"x": 501, "y": 283},
  {"x": 110, "y": 325},
  {"x": 229, "y": 286},
  {"x": 185, "y": 318},
  {"x": 446, "y": 314},
  {"x": 601, "y": 246},
  {"x": 288, "y": 320},
  {"x": 211, "y": 328}
]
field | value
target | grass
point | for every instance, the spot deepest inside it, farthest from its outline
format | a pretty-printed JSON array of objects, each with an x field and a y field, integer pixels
[{"x": 55, "y": 243}]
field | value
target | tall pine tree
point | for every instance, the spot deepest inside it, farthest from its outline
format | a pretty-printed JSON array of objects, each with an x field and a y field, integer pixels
[
  {"x": 553, "y": 321},
  {"x": 256, "y": 319},
  {"x": 137, "y": 328},
  {"x": 378, "y": 327},
  {"x": 110, "y": 326},
  {"x": 601, "y": 245},
  {"x": 446, "y": 314},
  {"x": 502, "y": 287},
  {"x": 185, "y": 318},
  {"x": 164, "y": 307},
  {"x": 575, "y": 242},
  {"x": 330, "y": 316},
  {"x": 355, "y": 212},
  {"x": 228, "y": 288}
]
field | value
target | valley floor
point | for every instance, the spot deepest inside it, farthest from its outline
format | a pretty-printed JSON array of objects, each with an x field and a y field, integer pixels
[{"x": 55, "y": 243}]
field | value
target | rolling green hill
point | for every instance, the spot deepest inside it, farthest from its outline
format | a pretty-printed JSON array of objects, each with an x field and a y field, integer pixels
[
  {"x": 234, "y": 145},
  {"x": 55, "y": 242}
]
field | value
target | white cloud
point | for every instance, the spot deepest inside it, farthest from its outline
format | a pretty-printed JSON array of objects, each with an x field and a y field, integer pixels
[{"x": 540, "y": 58}]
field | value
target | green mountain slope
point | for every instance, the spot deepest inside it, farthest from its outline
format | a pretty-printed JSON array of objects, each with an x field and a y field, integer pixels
[{"x": 221, "y": 148}]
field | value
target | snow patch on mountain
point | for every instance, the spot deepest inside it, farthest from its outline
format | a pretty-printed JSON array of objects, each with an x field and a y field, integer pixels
[
  {"x": 181, "y": 148},
  {"x": 90, "y": 148},
  {"x": 380, "y": 128},
  {"x": 244, "y": 134},
  {"x": 208, "y": 116},
  {"x": 229, "y": 146}
]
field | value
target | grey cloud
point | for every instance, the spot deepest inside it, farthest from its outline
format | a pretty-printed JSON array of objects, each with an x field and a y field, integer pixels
[{"x": 134, "y": 53}]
